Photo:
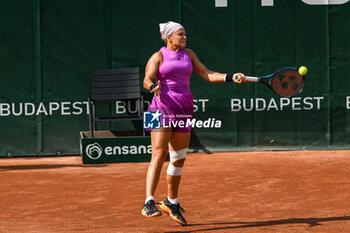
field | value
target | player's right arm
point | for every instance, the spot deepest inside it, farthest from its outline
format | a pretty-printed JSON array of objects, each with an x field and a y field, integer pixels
[{"x": 151, "y": 71}]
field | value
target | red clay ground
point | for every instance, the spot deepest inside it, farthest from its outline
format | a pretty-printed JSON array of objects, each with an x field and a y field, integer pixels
[{"x": 250, "y": 192}]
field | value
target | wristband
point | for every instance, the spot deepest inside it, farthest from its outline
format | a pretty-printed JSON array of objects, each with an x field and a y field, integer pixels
[
  {"x": 228, "y": 77},
  {"x": 152, "y": 87}
]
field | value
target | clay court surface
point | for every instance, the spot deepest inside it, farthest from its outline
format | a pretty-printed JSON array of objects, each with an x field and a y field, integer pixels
[{"x": 302, "y": 191}]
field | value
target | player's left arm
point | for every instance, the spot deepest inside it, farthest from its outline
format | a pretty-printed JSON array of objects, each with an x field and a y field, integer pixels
[{"x": 208, "y": 75}]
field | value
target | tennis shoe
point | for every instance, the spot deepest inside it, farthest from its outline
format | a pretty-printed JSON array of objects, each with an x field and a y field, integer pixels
[
  {"x": 150, "y": 209},
  {"x": 174, "y": 211}
]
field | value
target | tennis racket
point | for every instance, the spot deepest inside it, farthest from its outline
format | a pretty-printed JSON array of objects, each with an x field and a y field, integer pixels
[{"x": 286, "y": 82}]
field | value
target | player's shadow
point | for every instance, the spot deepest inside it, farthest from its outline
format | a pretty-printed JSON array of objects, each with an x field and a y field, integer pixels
[
  {"x": 196, "y": 145},
  {"x": 45, "y": 166},
  {"x": 238, "y": 225}
]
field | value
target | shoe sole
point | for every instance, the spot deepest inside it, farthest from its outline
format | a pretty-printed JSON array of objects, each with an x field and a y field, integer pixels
[
  {"x": 153, "y": 215},
  {"x": 166, "y": 209}
]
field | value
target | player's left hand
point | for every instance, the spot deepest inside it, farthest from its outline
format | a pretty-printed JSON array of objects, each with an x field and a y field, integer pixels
[{"x": 239, "y": 78}]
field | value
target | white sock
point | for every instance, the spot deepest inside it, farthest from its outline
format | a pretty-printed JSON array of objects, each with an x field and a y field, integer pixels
[
  {"x": 149, "y": 198},
  {"x": 173, "y": 201}
]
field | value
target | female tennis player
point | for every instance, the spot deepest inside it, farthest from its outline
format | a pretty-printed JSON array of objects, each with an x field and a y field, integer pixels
[{"x": 172, "y": 67}]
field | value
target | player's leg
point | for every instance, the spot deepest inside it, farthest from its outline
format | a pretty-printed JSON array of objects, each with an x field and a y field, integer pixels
[
  {"x": 159, "y": 140},
  {"x": 178, "y": 146}
]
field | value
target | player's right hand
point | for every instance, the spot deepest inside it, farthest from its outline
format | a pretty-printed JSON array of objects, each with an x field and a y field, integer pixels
[{"x": 157, "y": 90}]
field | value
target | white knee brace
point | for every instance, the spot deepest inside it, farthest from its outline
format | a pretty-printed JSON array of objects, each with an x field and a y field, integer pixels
[
  {"x": 174, "y": 171},
  {"x": 175, "y": 156}
]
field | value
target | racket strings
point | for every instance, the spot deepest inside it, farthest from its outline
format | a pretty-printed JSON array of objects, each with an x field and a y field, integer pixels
[{"x": 287, "y": 83}]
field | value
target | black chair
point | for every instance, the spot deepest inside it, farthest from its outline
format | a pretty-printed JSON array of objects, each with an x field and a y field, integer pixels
[{"x": 113, "y": 85}]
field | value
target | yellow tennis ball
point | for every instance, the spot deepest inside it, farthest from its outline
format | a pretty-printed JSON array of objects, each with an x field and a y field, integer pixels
[{"x": 302, "y": 70}]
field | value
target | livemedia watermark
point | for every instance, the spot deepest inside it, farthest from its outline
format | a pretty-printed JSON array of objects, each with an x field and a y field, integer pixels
[{"x": 156, "y": 120}]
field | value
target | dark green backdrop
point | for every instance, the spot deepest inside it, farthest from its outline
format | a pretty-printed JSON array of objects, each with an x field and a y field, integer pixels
[{"x": 48, "y": 48}]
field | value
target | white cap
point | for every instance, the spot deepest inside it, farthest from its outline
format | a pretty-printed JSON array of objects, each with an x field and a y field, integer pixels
[{"x": 166, "y": 29}]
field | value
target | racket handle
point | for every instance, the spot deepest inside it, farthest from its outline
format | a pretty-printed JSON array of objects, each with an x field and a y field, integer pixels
[{"x": 252, "y": 79}]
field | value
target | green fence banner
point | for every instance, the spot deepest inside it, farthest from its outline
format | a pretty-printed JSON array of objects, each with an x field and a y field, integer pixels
[
  {"x": 48, "y": 49},
  {"x": 115, "y": 150}
]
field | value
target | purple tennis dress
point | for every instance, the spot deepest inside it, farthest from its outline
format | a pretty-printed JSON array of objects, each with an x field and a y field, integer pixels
[{"x": 176, "y": 100}]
